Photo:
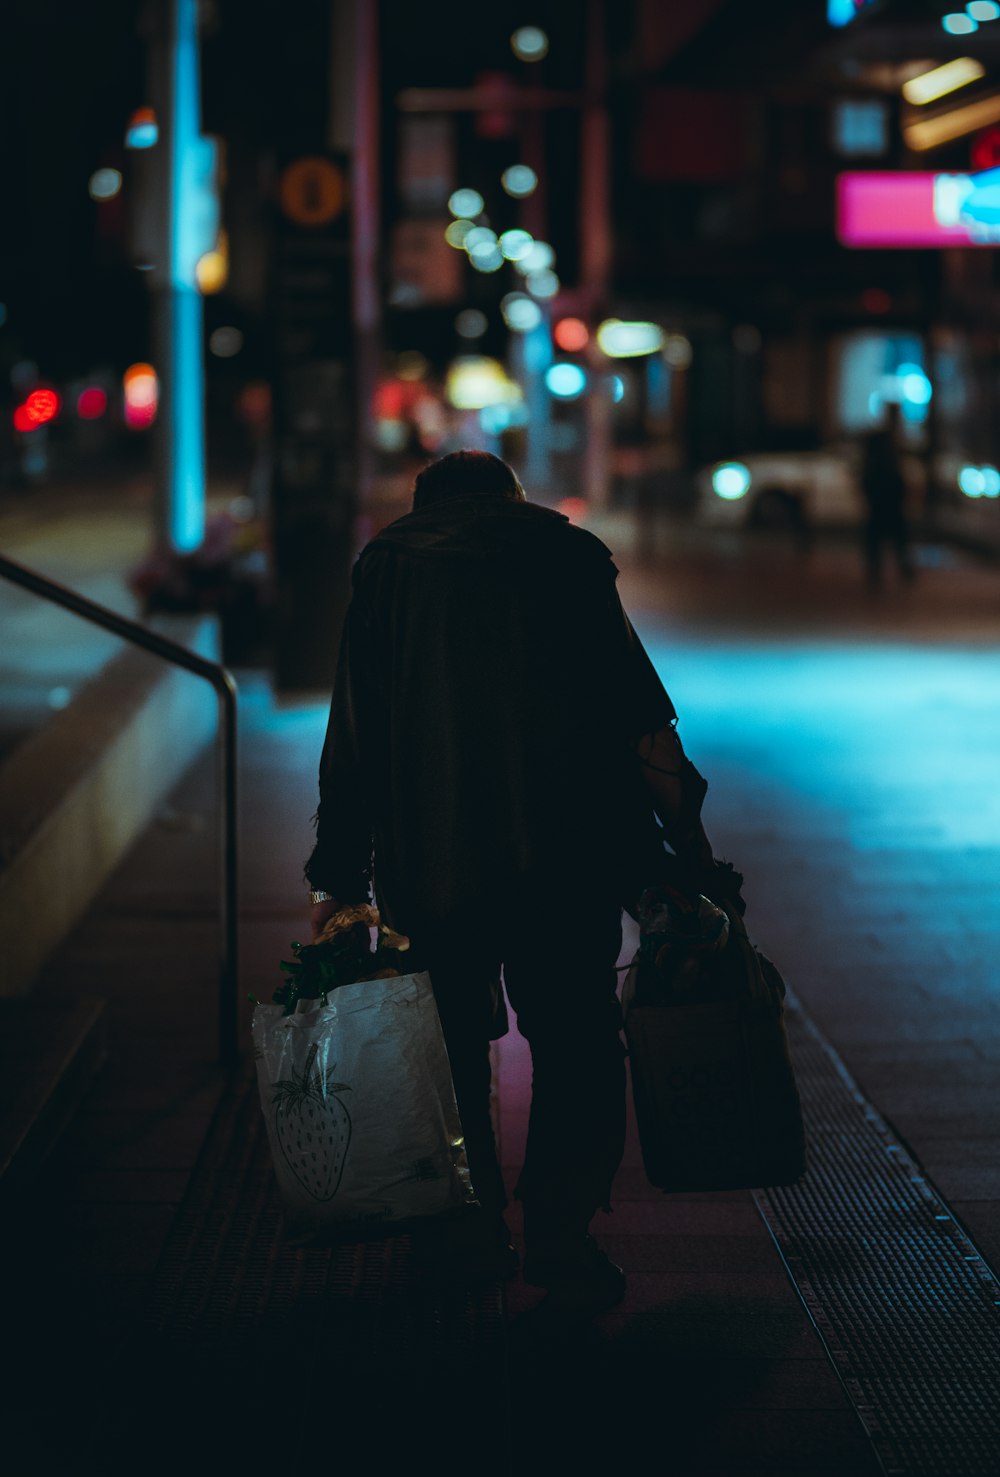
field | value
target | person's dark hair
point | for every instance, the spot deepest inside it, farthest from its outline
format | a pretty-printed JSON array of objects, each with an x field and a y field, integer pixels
[{"x": 466, "y": 474}]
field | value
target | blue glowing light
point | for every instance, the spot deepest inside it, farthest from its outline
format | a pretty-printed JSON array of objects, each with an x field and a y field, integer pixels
[
  {"x": 104, "y": 184},
  {"x": 981, "y": 199},
  {"x": 477, "y": 236},
  {"x": 980, "y": 481},
  {"x": 191, "y": 209},
  {"x": 187, "y": 512},
  {"x": 486, "y": 256},
  {"x": 542, "y": 284},
  {"x": 519, "y": 180},
  {"x": 983, "y": 10},
  {"x": 914, "y": 386},
  {"x": 565, "y": 381},
  {"x": 972, "y": 482},
  {"x": 520, "y": 312},
  {"x": 842, "y": 12},
  {"x": 530, "y": 43},
  {"x": 959, "y": 24},
  {"x": 539, "y": 258},
  {"x": 516, "y": 244},
  {"x": 495, "y": 419},
  {"x": 731, "y": 481},
  {"x": 465, "y": 202},
  {"x": 143, "y": 130}
]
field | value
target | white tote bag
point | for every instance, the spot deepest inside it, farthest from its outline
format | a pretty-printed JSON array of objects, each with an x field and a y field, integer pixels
[{"x": 360, "y": 1110}]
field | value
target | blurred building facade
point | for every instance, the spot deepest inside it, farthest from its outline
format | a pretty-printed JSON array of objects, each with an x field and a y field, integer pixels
[{"x": 672, "y": 166}]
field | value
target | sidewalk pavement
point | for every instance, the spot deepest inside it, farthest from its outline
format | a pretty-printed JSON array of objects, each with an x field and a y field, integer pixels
[
  {"x": 712, "y": 1366},
  {"x": 732, "y": 1375}
]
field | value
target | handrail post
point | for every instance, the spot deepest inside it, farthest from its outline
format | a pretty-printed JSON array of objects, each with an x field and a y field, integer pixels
[{"x": 229, "y": 1048}]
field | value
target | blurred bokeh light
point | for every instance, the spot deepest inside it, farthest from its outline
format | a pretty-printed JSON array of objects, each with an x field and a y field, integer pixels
[
  {"x": 529, "y": 43},
  {"x": 104, "y": 184},
  {"x": 519, "y": 180}
]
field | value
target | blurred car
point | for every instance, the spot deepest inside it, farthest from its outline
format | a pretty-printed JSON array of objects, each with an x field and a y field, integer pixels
[{"x": 782, "y": 489}]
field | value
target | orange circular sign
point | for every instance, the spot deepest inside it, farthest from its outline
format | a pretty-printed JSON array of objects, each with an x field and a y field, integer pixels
[{"x": 313, "y": 191}]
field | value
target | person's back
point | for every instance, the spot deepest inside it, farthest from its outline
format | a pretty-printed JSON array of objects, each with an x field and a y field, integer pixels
[
  {"x": 486, "y": 745},
  {"x": 501, "y": 688}
]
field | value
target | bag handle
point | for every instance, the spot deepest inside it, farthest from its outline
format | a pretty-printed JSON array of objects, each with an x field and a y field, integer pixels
[{"x": 355, "y": 913}]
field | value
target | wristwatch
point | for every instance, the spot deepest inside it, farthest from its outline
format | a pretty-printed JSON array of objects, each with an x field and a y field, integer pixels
[{"x": 319, "y": 896}]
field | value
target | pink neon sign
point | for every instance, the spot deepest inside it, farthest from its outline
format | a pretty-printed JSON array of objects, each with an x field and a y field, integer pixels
[{"x": 883, "y": 208}]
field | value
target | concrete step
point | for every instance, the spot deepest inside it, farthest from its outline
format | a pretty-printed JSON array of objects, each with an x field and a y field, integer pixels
[
  {"x": 50, "y": 1053},
  {"x": 75, "y": 795}
]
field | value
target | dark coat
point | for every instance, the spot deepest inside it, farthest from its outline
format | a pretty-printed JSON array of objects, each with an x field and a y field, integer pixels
[
  {"x": 488, "y": 695},
  {"x": 882, "y": 480}
]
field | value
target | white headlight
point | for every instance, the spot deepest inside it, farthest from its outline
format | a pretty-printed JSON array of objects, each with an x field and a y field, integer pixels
[{"x": 730, "y": 480}]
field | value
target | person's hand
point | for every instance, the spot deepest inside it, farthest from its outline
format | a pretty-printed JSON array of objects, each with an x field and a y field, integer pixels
[{"x": 320, "y": 914}]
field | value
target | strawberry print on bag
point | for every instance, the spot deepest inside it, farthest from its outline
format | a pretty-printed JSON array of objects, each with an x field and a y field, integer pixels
[{"x": 313, "y": 1128}]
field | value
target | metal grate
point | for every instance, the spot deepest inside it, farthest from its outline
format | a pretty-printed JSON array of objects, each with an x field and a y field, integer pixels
[
  {"x": 255, "y": 1353},
  {"x": 908, "y": 1309}
]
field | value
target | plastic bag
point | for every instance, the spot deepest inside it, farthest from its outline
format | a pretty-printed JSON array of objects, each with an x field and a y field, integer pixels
[{"x": 360, "y": 1110}]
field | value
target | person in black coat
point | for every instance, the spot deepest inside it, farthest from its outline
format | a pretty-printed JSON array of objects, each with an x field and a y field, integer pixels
[
  {"x": 501, "y": 768},
  {"x": 883, "y": 484}
]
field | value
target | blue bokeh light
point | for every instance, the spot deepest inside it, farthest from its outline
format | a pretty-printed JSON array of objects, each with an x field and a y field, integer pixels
[
  {"x": 565, "y": 381},
  {"x": 731, "y": 481}
]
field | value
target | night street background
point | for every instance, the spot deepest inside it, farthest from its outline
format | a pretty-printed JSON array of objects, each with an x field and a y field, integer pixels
[{"x": 240, "y": 307}]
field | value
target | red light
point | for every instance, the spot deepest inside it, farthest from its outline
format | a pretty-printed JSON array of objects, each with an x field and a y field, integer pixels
[
  {"x": 985, "y": 150},
  {"x": 92, "y": 403},
  {"x": 390, "y": 400},
  {"x": 575, "y": 508},
  {"x": 23, "y": 421},
  {"x": 876, "y": 300},
  {"x": 571, "y": 334},
  {"x": 141, "y": 394},
  {"x": 41, "y": 406}
]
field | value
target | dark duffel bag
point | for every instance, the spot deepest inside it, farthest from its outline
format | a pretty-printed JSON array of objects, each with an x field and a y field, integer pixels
[{"x": 716, "y": 1103}]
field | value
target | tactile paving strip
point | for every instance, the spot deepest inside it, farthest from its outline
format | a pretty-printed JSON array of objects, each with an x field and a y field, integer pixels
[
  {"x": 280, "y": 1357},
  {"x": 907, "y": 1307}
]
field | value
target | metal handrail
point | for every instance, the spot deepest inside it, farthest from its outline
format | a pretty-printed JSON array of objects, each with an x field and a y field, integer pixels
[{"x": 225, "y": 687}]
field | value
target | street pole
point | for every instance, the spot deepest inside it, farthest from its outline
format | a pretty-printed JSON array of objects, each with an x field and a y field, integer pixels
[
  {"x": 319, "y": 405},
  {"x": 353, "y": 130},
  {"x": 595, "y": 252},
  {"x": 177, "y": 308}
]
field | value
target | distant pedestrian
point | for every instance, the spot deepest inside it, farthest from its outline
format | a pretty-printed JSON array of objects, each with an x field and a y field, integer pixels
[
  {"x": 883, "y": 485},
  {"x": 502, "y": 745}
]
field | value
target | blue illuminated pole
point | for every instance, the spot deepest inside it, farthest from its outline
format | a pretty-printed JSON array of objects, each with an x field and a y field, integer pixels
[
  {"x": 531, "y": 356},
  {"x": 184, "y": 165}
]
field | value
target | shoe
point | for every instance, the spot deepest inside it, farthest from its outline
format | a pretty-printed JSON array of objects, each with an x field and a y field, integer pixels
[
  {"x": 576, "y": 1273},
  {"x": 464, "y": 1252}
]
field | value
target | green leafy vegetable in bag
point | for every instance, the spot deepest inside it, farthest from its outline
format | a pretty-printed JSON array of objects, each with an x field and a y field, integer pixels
[{"x": 342, "y": 955}]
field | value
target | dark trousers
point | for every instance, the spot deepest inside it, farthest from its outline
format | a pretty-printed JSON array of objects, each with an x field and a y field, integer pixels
[
  {"x": 889, "y": 528},
  {"x": 558, "y": 952}
]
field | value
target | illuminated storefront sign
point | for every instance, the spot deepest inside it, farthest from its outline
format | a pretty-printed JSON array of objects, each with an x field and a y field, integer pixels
[{"x": 880, "y": 208}]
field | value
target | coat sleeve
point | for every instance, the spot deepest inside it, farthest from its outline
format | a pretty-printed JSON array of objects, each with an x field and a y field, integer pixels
[
  {"x": 341, "y": 861},
  {"x": 635, "y": 698},
  {"x": 648, "y": 706}
]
